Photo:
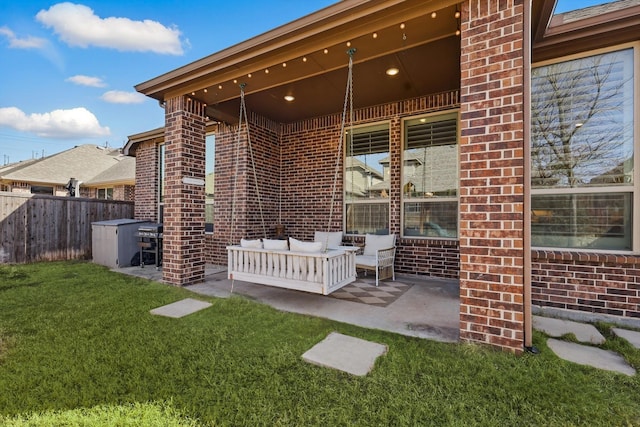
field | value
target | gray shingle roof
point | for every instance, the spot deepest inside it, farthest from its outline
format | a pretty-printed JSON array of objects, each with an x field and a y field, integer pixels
[{"x": 84, "y": 162}]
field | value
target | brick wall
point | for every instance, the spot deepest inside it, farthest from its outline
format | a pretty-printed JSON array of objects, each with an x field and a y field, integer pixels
[
  {"x": 238, "y": 202},
  {"x": 605, "y": 284},
  {"x": 183, "y": 225},
  {"x": 491, "y": 174},
  {"x": 299, "y": 197},
  {"x": 147, "y": 179}
]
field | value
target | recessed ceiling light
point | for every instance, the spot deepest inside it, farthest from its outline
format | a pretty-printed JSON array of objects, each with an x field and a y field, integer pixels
[
  {"x": 392, "y": 71},
  {"x": 289, "y": 98}
]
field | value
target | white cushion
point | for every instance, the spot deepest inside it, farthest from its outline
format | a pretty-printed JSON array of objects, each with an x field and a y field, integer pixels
[
  {"x": 257, "y": 244},
  {"x": 331, "y": 239},
  {"x": 375, "y": 242},
  {"x": 274, "y": 244},
  {"x": 299, "y": 246},
  {"x": 368, "y": 260}
]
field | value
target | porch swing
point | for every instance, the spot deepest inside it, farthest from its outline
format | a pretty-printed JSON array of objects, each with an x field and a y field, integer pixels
[{"x": 316, "y": 267}]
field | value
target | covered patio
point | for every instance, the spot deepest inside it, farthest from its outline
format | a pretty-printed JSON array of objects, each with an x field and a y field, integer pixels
[
  {"x": 446, "y": 81},
  {"x": 429, "y": 307}
]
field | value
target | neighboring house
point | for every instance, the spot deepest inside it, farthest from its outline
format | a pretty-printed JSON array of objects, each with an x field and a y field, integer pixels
[
  {"x": 531, "y": 110},
  {"x": 97, "y": 172}
]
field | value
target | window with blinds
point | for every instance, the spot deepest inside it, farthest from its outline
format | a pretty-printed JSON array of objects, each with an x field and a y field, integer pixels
[
  {"x": 582, "y": 152},
  {"x": 430, "y": 176},
  {"x": 367, "y": 180},
  {"x": 582, "y": 122}
]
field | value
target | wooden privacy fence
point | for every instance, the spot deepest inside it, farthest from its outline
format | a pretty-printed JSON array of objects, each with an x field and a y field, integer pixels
[{"x": 38, "y": 228}]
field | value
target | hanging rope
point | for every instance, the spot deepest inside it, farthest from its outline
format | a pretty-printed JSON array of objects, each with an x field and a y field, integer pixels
[
  {"x": 243, "y": 115},
  {"x": 348, "y": 102}
]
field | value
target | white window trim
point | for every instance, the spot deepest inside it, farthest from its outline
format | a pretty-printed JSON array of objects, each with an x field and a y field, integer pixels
[
  {"x": 635, "y": 188},
  {"x": 345, "y": 149},
  {"x": 404, "y": 200}
]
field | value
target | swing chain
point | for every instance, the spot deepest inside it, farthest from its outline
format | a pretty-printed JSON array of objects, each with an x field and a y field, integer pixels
[
  {"x": 348, "y": 102},
  {"x": 243, "y": 115}
]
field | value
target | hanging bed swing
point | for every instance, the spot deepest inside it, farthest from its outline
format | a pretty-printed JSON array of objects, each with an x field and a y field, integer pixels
[{"x": 319, "y": 267}]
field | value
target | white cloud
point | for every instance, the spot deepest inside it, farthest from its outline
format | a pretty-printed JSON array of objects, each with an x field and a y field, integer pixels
[
  {"x": 28, "y": 42},
  {"x": 73, "y": 123},
  {"x": 122, "y": 97},
  {"x": 77, "y": 25},
  {"x": 42, "y": 46},
  {"x": 87, "y": 81}
]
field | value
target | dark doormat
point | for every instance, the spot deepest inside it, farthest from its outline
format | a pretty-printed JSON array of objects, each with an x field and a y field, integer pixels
[{"x": 365, "y": 291}]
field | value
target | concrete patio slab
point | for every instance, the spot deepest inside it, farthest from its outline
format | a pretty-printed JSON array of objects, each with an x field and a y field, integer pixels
[
  {"x": 430, "y": 309},
  {"x": 590, "y": 356},
  {"x": 181, "y": 308},
  {"x": 558, "y": 327},
  {"x": 349, "y": 354},
  {"x": 632, "y": 336}
]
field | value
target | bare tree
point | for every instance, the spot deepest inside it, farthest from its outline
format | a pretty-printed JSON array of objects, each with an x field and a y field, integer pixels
[{"x": 580, "y": 136}]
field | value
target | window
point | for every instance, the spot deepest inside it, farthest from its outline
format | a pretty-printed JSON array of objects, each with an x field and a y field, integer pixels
[
  {"x": 210, "y": 160},
  {"x": 41, "y": 189},
  {"x": 104, "y": 193},
  {"x": 366, "y": 180},
  {"x": 582, "y": 152},
  {"x": 430, "y": 176}
]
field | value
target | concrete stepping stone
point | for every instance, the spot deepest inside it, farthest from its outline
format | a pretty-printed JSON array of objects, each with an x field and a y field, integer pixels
[
  {"x": 632, "y": 336},
  {"x": 349, "y": 354},
  {"x": 590, "y": 356},
  {"x": 558, "y": 327},
  {"x": 180, "y": 308}
]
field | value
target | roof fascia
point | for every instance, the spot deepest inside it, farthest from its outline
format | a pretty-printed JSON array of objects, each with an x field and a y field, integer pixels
[
  {"x": 594, "y": 32},
  {"x": 312, "y": 32}
]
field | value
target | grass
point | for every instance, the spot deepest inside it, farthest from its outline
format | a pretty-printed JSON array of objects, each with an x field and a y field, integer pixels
[{"x": 79, "y": 347}]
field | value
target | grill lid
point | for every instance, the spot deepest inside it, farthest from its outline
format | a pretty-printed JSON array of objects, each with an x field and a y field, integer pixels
[{"x": 150, "y": 228}]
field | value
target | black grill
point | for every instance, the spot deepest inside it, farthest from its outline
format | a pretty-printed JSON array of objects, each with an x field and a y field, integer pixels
[{"x": 150, "y": 244}]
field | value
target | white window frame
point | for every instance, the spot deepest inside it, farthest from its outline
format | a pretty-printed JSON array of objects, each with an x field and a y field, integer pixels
[
  {"x": 404, "y": 199},
  {"x": 635, "y": 188},
  {"x": 347, "y": 202}
]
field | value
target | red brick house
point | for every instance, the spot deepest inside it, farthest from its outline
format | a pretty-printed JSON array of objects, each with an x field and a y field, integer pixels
[{"x": 502, "y": 136}]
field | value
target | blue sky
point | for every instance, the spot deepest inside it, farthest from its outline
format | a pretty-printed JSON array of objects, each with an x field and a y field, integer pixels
[
  {"x": 567, "y": 5},
  {"x": 67, "y": 69}
]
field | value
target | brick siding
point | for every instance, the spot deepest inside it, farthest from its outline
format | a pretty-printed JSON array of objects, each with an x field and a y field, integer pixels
[
  {"x": 147, "y": 179},
  {"x": 492, "y": 174},
  {"x": 299, "y": 197},
  {"x": 606, "y": 284}
]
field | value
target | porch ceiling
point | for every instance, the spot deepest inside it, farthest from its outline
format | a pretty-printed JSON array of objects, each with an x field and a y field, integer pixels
[{"x": 291, "y": 60}]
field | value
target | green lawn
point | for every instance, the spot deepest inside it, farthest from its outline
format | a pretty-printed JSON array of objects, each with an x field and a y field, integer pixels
[{"x": 79, "y": 347}]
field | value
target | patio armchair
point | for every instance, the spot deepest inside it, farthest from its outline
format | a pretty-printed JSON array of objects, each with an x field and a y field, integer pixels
[{"x": 379, "y": 254}]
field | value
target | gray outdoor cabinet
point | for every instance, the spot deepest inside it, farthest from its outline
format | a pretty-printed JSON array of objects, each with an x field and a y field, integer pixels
[{"x": 114, "y": 242}]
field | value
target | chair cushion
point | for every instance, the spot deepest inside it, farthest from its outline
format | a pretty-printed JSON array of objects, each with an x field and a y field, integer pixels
[
  {"x": 375, "y": 242},
  {"x": 300, "y": 246},
  {"x": 274, "y": 244},
  {"x": 331, "y": 239},
  {"x": 257, "y": 244},
  {"x": 368, "y": 260}
]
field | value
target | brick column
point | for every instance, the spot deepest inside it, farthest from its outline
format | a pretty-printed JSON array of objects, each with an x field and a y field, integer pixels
[
  {"x": 184, "y": 238},
  {"x": 492, "y": 174}
]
